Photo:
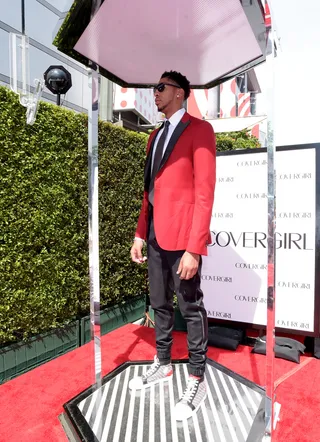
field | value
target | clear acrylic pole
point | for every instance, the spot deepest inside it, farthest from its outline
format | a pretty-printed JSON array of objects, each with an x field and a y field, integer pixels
[
  {"x": 93, "y": 222},
  {"x": 271, "y": 409}
]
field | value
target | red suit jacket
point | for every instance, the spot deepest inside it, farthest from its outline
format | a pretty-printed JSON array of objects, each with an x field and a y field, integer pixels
[{"x": 183, "y": 188}]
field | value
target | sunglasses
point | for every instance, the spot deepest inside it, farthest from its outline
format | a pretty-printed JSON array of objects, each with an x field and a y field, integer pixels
[{"x": 161, "y": 87}]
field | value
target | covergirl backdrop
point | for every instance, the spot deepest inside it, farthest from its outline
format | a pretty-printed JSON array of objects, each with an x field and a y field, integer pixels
[{"x": 234, "y": 277}]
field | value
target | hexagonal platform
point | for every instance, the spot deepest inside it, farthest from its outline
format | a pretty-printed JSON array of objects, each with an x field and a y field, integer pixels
[{"x": 233, "y": 410}]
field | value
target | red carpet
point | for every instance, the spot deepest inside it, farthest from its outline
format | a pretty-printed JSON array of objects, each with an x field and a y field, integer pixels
[{"x": 31, "y": 403}]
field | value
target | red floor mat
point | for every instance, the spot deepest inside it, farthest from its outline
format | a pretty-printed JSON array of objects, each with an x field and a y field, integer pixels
[{"x": 31, "y": 403}]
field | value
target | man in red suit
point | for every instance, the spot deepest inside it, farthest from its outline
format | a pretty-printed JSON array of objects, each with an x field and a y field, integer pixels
[{"x": 179, "y": 183}]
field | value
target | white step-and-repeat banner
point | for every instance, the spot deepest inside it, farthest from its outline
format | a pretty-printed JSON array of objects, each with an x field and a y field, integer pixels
[{"x": 234, "y": 275}]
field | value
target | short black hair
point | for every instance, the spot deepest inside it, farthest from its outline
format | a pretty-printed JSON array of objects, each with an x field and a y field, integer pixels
[{"x": 180, "y": 79}]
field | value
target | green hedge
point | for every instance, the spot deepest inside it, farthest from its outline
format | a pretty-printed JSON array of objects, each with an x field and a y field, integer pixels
[
  {"x": 43, "y": 223},
  {"x": 43, "y": 215},
  {"x": 236, "y": 140}
]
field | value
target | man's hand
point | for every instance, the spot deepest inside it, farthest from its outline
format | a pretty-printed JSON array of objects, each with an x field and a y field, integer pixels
[
  {"x": 188, "y": 266},
  {"x": 136, "y": 252}
]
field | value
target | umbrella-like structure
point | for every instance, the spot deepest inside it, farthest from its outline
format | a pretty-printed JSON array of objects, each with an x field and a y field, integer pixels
[{"x": 131, "y": 43}]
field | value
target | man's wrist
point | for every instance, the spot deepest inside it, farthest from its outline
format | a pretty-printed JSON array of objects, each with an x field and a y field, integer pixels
[
  {"x": 195, "y": 255},
  {"x": 136, "y": 238}
]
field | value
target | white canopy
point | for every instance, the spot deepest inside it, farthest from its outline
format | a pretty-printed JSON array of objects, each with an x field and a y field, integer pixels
[{"x": 133, "y": 42}]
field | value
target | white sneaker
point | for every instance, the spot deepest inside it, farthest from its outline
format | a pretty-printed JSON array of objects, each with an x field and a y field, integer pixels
[
  {"x": 156, "y": 373},
  {"x": 194, "y": 394}
]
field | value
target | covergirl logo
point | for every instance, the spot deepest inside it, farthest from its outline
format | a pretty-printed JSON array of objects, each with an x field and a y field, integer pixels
[
  {"x": 252, "y": 163},
  {"x": 248, "y": 266},
  {"x": 251, "y": 196},
  {"x": 226, "y": 179},
  {"x": 254, "y": 299},
  {"x": 294, "y": 176},
  {"x": 293, "y": 324},
  {"x": 216, "y": 278},
  {"x": 293, "y": 285},
  {"x": 294, "y": 215},
  {"x": 252, "y": 240},
  {"x": 223, "y": 215},
  {"x": 221, "y": 315}
]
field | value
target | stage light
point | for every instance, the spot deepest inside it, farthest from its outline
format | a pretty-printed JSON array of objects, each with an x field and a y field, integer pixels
[{"x": 57, "y": 80}]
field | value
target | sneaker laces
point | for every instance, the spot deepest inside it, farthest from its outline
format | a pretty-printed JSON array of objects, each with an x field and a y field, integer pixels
[
  {"x": 191, "y": 389},
  {"x": 154, "y": 367}
]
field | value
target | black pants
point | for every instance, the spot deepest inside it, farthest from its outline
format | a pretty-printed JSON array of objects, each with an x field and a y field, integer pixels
[{"x": 164, "y": 281}]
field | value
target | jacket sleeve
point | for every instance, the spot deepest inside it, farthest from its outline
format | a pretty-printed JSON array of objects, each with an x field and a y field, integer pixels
[
  {"x": 204, "y": 170},
  {"x": 141, "y": 231}
]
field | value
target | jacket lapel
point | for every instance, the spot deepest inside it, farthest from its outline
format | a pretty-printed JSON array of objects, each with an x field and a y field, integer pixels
[
  {"x": 183, "y": 124},
  {"x": 147, "y": 167}
]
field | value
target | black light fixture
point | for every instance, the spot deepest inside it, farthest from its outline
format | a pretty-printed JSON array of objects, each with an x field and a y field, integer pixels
[{"x": 57, "y": 80}]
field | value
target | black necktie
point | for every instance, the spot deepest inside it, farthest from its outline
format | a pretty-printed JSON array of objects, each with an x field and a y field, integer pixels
[{"x": 157, "y": 159}]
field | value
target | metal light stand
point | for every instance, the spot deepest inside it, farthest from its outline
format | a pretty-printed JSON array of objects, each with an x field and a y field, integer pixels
[
  {"x": 272, "y": 409},
  {"x": 93, "y": 222}
]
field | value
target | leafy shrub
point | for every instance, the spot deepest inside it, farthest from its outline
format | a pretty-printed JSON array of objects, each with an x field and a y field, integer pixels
[
  {"x": 236, "y": 140},
  {"x": 44, "y": 211},
  {"x": 43, "y": 223}
]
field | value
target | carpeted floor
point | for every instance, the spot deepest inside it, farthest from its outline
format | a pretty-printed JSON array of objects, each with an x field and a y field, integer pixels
[{"x": 31, "y": 403}]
